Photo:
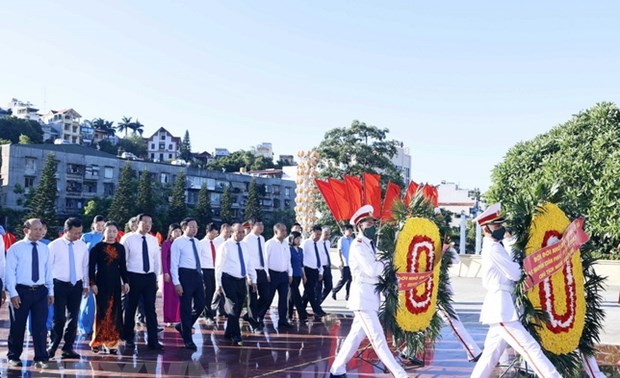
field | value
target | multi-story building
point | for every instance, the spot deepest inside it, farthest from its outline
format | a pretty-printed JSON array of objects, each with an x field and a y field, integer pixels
[
  {"x": 163, "y": 146},
  {"x": 221, "y": 152},
  {"x": 66, "y": 123},
  {"x": 84, "y": 173},
  {"x": 264, "y": 149},
  {"x": 402, "y": 161},
  {"x": 24, "y": 110}
]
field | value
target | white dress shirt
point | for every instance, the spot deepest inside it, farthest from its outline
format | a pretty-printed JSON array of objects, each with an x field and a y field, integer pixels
[
  {"x": 182, "y": 256},
  {"x": 278, "y": 256},
  {"x": 323, "y": 244},
  {"x": 2, "y": 260},
  {"x": 206, "y": 256},
  {"x": 19, "y": 267},
  {"x": 125, "y": 236},
  {"x": 59, "y": 250},
  {"x": 252, "y": 241},
  {"x": 227, "y": 261},
  {"x": 133, "y": 253},
  {"x": 310, "y": 255},
  {"x": 219, "y": 240}
]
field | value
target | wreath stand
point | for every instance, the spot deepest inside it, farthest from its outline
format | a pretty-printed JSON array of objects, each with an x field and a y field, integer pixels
[
  {"x": 514, "y": 366},
  {"x": 379, "y": 365}
]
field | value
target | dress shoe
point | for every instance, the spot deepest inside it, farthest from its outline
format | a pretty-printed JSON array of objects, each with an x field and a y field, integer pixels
[
  {"x": 334, "y": 296},
  {"x": 70, "y": 354},
  {"x": 190, "y": 346},
  {"x": 246, "y": 317},
  {"x": 160, "y": 329},
  {"x": 95, "y": 349},
  {"x": 337, "y": 375},
  {"x": 41, "y": 364},
  {"x": 51, "y": 352},
  {"x": 346, "y": 298},
  {"x": 178, "y": 328},
  {"x": 113, "y": 351},
  {"x": 157, "y": 346},
  {"x": 475, "y": 359},
  {"x": 15, "y": 363}
]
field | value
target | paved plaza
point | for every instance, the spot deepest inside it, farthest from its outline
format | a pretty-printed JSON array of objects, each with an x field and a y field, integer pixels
[{"x": 306, "y": 351}]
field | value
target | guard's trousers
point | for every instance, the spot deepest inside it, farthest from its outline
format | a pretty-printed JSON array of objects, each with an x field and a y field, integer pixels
[{"x": 461, "y": 334}]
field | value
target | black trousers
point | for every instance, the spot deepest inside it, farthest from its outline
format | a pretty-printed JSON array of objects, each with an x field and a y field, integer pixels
[
  {"x": 327, "y": 283},
  {"x": 295, "y": 301},
  {"x": 193, "y": 290},
  {"x": 310, "y": 290},
  {"x": 279, "y": 283},
  {"x": 208, "y": 277},
  {"x": 33, "y": 302},
  {"x": 67, "y": 299},
  {"x": 344, "y": 279},
  {"x": 141, "y": 286},
  {"x": 235, "y": 291},
  {"x": 259, "y": 300}
]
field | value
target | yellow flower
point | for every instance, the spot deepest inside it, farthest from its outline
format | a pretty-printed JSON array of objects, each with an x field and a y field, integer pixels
[
  {"x": 418, "y": 249},
  {"x": 562, "y": 295}
]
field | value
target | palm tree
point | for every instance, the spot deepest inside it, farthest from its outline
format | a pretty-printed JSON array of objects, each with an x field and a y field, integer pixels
[
  {"x": 137, "y": 127},
  {"x": 103, "y": 125},
  {"x": 124, "y": 124}
]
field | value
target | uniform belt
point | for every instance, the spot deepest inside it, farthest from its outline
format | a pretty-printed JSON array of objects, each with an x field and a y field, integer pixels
[
  {"x": 31, "y": 288},
  {"x": 367, "y": 280}
]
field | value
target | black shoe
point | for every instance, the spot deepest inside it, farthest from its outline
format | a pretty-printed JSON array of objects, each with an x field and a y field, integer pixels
[
  {"x": 130, "y": 345},
  {"x": 15, "y": 363},
  {"x": 51, "y": 352},
  {"x": 237, "y": 340},
  {"x": 95, "y": 349},
  {"x": 70, "y": 354},
  {"x": 160, "y": 329},
  {"x": 346, "y": 298},
  {"x": 41, "y": 364},
  {"x": 190, "y": 345},
  {"x": 157, "y": 346},
  {"x": 334, "y": 295},
  {"x": 246, "y": 317},
  {"x": 411, "y": 361},
  {"x": 475, "y": 359},
  {"x": 337, "y": 375},
  {"x": 178, "y": 328},
  {"x": 113, "y": 351}
]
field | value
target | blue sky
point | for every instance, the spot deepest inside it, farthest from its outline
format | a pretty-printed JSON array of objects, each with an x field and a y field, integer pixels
[{"x": 458, "y": 82}]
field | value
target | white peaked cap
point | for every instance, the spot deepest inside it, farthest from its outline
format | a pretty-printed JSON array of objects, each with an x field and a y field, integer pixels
[
  {"x": 365, "y": 211},
  {"x": 492, "y": 215}
]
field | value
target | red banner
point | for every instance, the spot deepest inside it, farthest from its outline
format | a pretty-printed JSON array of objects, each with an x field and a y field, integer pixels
[
  {"x": 409, "y": 281},
  {"x": 547, "y": 261}
]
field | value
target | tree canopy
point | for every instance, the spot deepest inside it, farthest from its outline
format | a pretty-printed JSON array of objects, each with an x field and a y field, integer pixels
[
  {"x": 582, "y": 158},
  {"x": 123, "y": 201},
  {"x": 12, "y": 128},
  {"x": 241, "y": 159},
  {"x": 185, "y": 152},
  {"x": 42, "y": 200}
]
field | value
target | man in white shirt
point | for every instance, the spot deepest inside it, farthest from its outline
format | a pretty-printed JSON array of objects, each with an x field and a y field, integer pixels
[
  {"x": 186, "y": 274},
  {"x": 207, "y": 262},
  {"x": 218, "y": 299},
  {"x": 259, "y": 299},
  {"x": 326, "y": 261},
  {"x": 344, "y": 243},
  {"x": 143, "y": 266},
  {"x": 278, "y": 261},
  {"x": 314, "y": 271},
  {"x": 69, "y": 263},
  {"x": 234, "y": 270}
]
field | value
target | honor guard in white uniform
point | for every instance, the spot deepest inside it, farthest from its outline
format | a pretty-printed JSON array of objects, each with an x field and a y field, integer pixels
[
  {"x": 499, "y": 273},
  {"x": 364, "y": 300}
]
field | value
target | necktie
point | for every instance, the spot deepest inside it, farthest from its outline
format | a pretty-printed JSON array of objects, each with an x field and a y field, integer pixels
[
  {"x": 329, "y": 260},
  {"x": 196, "y": 256},
  {"x": 145, "y": 256},
  {"x": 72, "y": 275},
  {"x": 241, "y": 261},
  {"x": 372, "y": 244},
  {"x": 260, "y": 253},
  {"x": 212, "y": 252},
  {"x": 35, "y": 263},
  {"x": 316, "y": 254}
]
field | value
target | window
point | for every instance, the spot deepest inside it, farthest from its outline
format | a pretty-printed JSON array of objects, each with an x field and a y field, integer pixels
[
  {"x": 108, "y": 189},
  {"x": 152, "y": 146},
  {"x": 215, "y": 198},
  {"x": 287, "y": 191},
  {"x": 161, "y": 157},
  {"x": 211, "y": 184},
  {"x": 152, "y": 154},
  {"x": 169, "y": 156},
  {"x": 28, "y": 182},
  {"x": 90, "y": 186},
  {"x": 163, "y": 178},
  {"x": 73, "y": 203},
  {"x": 92, "y": 170},
  {"x": 162, "y": 146},
  {"x": 276, "y": 190},
  {"x": 73, "y": 187},
  {"x": 75, "y": 169},
  {"x": 31, "y": 163},
  {"x": 162, "y": 136},
  {"x": 108, "y": 173},
  {"x": 169, "y": 146}
]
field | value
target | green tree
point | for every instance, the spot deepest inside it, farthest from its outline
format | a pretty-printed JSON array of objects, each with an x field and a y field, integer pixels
[
  {"x": 580, "y": 157},
  {"x": 144, "y": 197},
  {"x": 95, "y": 206},
  {"x": 359, "y": 149},
  {"x": 124, "y": 125},
  {"x": 134, "y": 144},
  {"x": 252, "y": 207},
  {"x": 122, "y": 206},
  {"x": 24, "y": 139},
  {"x": 178, "y": 208},
  {"x": 11, "y": 128},
  {"x": 226, "y": 206},
  {"x": 240, "y": 159},
  {"x": 42, "y": 201},
  {"x": 186, "y": 148},
  {"x": 107, "y": 146},
  {"x": 137, "y": 127},
  {"x": 203, "y": 212},
  {"x": 106, "y": 126}
]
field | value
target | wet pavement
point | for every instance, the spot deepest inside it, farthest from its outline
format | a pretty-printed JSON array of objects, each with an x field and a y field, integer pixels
[{"x": 305, "y": 351}]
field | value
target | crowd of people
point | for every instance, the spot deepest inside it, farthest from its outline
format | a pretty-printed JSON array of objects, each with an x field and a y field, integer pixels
[{"x": 99, "y": 283}]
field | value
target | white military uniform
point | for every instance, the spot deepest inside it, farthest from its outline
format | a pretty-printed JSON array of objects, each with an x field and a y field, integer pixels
[
  {"x": 364, "y": 301},
  {"x": 499, "y": 273}
]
